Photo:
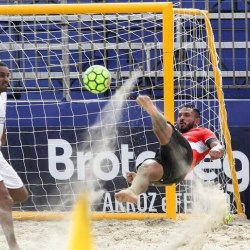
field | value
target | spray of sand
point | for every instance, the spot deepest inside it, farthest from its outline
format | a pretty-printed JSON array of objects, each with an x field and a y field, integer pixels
[
  {"x": 209, "y": 209},
  {"x": 103, "y": 136}
]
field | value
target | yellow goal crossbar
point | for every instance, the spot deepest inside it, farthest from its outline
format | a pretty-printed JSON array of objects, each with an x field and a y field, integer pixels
[{"x": 102, "y": 8}]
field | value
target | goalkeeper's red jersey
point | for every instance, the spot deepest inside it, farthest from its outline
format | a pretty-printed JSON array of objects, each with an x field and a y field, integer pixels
[{"x": 197, "y": 137}]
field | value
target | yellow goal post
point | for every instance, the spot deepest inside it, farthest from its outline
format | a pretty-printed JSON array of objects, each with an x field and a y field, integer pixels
[{"x": 168, "y": 75}]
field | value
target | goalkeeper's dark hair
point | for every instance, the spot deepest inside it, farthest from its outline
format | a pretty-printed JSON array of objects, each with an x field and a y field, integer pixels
[
  {"x": 194, "y": 108},
  {"x": 2, "y": 64}
]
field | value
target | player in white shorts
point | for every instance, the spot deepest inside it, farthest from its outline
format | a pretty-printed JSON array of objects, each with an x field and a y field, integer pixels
[{"x": 12, "y": 189}]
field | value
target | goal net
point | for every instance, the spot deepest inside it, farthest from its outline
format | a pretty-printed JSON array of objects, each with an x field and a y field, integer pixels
[{"x": 63, "y": 138}]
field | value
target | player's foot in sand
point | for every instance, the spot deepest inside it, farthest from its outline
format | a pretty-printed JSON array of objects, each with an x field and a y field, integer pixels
[{"x": 126, "y": 195}]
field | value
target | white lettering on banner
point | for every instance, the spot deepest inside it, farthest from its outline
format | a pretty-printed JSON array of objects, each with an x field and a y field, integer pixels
[
  {"x": 242, "y": 175},
  {"x": 178, "y": 200},
  {"x": 129, "y": 207},
  {"x": 187, "y": 200},
  {"x": 163, "y": 204},
  {"x": 141, "y": 205},
  {"x": 145, "y": 203},
  {"x": 107, "y": 203},
  {"x": 116, "y": 166},
  {"x": 152, "y": 201},
  {"x": 64, "y": 159},
  {"x": 81, "y": 161},
  {"x": 85, "y": 160},
  {"x": 144, "y": 155},
  {"x": 201, "y": 172},
  {"x": 113, "y": 166},
  {"x": 125, "y": 158}
]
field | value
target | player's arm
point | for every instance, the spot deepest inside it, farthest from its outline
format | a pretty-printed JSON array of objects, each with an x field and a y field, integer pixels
[
  {"x": 217, "y": 151},
  {"x": 3, "y": 138}
]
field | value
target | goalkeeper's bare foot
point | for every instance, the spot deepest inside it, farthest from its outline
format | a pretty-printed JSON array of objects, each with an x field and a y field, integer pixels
[
  {"x": 146, "y": 103},
  {"x": 126, "y": 195}
]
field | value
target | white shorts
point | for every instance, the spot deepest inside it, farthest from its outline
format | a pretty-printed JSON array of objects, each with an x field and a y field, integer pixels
[{"x": 9, "y": 175}]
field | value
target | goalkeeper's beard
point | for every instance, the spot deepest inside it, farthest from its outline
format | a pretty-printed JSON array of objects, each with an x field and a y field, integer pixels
[{"x": 187, "y": 127}]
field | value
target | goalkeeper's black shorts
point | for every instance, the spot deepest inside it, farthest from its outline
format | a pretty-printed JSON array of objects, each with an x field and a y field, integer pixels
[{"x": 175, "y": 157}]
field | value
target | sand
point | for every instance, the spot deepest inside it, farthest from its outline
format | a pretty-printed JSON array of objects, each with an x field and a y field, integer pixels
[
  {"x": 145, "y": 234},
  {"x": 203, "y": 229}
]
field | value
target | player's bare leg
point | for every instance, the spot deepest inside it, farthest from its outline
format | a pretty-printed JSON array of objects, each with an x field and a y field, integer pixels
[
  {"x": 18, "y": 194},
  {"x": 7, "y": 198},
  {"x": 161, "y": 128},
  {"x": 6, "y": 203},
  {"x": 150, "y": 171}
]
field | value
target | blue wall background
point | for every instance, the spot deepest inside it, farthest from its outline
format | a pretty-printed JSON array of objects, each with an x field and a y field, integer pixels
[{"x": 30, "y": 158}]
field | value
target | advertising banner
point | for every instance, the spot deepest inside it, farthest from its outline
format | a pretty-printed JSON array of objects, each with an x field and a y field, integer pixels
[
  {"x": 50, "y": 168},
  {"x": 53, "y": 161}
]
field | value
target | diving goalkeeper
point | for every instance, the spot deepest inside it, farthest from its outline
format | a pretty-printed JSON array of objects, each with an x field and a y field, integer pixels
[{"x": 180, "y": 150}]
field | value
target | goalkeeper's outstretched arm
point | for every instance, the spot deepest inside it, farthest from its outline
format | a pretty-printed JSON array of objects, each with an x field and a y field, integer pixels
[{"x": 160, "y": 127}]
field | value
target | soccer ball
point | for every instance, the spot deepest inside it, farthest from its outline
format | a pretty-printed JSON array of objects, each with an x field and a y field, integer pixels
[{"x": 97, "y": 79}]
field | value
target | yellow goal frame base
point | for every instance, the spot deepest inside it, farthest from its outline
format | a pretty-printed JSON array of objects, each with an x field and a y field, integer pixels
[
  {"x": 46, "y": 216},
  {"x": 97, "y": 216}
]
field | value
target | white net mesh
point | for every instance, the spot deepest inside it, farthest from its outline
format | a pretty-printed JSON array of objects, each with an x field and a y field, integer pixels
[{"x": 58, "y": 131}]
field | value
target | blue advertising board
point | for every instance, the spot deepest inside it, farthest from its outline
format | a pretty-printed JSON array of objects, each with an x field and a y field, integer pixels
[{"x": 49, "y": 146}]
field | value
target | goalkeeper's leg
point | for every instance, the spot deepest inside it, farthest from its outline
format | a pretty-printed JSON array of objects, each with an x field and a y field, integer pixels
[{"x": 150, "y": 171}]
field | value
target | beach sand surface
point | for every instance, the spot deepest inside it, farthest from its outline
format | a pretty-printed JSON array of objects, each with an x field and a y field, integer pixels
[{"x": 136, "y": 235}]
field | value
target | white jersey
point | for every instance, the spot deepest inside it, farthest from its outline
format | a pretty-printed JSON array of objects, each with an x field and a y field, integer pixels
[
  {"x": 7, "y": 173},
  {"x": 3, "y": 101}
]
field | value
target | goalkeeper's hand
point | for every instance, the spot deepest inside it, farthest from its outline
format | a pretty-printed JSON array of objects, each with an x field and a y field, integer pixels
[{"x": 217, "y": 152}]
